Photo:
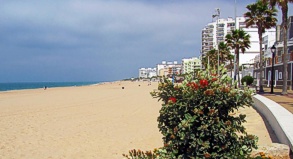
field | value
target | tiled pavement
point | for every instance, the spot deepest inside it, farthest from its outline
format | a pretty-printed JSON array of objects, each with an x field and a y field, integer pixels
[{"x": 284, "y": 100}]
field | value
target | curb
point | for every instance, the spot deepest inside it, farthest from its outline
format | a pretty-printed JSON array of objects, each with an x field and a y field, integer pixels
[{"x": 279, "y": 118}]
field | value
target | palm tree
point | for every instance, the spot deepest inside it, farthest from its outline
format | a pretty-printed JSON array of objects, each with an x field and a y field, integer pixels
[
  {"x": 211, "y": 59},
  {"x": 230, "y": 58},
  {"x": 224, "y": 51},
  {"x": 264, "y": 17},
  {"x": 238, "y": 40},
  {"x": 283, "y": 4}
]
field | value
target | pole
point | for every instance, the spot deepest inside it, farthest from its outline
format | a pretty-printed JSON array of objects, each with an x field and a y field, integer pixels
[
  {"x": 235, "y": 48},
  {"x": 218, "y": 42},
  {"x": 218, "y": 12},
  {"x": 217, "y": 45},
  {"x": 273, "y": 71}
]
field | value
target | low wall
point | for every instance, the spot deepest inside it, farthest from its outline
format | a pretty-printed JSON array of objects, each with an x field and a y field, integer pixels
[{"x": 280, "y": 119}]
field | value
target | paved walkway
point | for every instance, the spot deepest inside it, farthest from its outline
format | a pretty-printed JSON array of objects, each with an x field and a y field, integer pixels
[{"x": 284, "y": 100}]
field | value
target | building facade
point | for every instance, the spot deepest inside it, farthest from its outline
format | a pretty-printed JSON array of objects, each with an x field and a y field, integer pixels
[
  {"x": 168, "y": 68},
  {"x": 147, "y": 72},
  {"x": 190, "y": 65},
  {"x": 215, "y": 32},
  {"x": 277, "y": 40}
]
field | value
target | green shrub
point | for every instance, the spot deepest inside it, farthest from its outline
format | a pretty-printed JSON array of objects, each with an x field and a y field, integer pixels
[
  {"x": 198, "y": 118},
  {"x": 247, "y": 79}
]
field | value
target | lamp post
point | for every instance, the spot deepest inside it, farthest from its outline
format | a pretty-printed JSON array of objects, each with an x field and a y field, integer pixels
[
  {"x": 217, "y": 15},
  {"x": 273, "y": 50}
]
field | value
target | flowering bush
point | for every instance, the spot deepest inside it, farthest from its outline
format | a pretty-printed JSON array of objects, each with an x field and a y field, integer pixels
[{"x": 198, "y": 120}]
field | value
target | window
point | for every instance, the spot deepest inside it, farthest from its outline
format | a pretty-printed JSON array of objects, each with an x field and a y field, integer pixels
[
  {"x": 242, "y": 23},
  {"x": 276, "y": 75},
  {"x": 231, "y": 24},
  {"x": 280, "y": 75},
  {"x": 221, "y": 25}
]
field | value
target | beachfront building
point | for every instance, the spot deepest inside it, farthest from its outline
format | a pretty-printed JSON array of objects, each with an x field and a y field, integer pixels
[
  {"x": 268, "y": 40},
  {"x": 277, "y": 40},
  {"x": 190, "y": 64},
  {"x": 147, "y": 72},
  {"x": 168, "y": 68},
  {"x": 212, "y": 35}
]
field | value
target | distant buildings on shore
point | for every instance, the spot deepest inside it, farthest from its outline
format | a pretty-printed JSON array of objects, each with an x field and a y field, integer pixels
[
  {"x": 191, "y": 64},
  {"x": 215, "y": 32},
  {"x": 147, "y": 72},
  {"x": 165, "y": 68}
]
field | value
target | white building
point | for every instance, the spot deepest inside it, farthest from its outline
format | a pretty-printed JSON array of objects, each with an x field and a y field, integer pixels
[
  {"x": 168, "y": 68},
  {"x": 147, "y": 72},
  {"x": 190, "y": 64},
  {"x": 268, "y": 40},
  {"x": 211, "y": 33}
]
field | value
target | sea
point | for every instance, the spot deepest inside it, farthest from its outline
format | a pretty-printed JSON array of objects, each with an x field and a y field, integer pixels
[{"x": 35, "y": 85}]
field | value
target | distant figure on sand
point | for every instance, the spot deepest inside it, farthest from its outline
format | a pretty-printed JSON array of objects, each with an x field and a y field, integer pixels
[{"x": 45, "y": 87}]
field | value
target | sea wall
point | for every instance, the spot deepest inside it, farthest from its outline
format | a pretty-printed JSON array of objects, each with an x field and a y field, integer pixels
[{"x": 280, "y": 119}]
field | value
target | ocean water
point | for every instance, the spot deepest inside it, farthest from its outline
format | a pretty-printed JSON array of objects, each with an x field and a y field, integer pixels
[{"x": 34, "y": 85}]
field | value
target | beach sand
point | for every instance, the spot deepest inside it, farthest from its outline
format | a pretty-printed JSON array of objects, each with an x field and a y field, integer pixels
[{"x": 99, "y": 121}]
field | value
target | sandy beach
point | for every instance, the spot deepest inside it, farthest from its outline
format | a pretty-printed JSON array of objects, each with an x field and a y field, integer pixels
[{"x": 100, "y": 121}]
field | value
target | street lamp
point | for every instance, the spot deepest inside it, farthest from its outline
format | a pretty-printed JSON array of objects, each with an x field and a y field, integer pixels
[
  {"x": 273, "y": 50},
  {"x": 217, "y": 15}
]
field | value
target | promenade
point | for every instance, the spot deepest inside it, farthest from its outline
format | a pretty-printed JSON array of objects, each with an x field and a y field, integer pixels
[
  {"x": 277, "y": 110},
  {"x": 284, "y": 100}
]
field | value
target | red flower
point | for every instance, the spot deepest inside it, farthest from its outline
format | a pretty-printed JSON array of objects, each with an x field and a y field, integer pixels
[
  {"x": 172, "y": 99},
  {"x": 189, "y": 84},
  {"x": 193, "y": 85},
  {"x": 203, "y": 83},
  {"x": 214, "y": 79},
  {"x": 209, "y": 92}
]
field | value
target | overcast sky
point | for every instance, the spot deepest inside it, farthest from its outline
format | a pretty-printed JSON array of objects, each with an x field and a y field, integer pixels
[{"x": 100, "y": 40}]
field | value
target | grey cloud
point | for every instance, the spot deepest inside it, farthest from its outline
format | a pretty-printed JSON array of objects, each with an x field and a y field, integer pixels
[{"x": 94, "y": 39}]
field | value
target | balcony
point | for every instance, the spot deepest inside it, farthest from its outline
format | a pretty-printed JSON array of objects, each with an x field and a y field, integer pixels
[
  {"x": 280, "y": 59},
  {"x": 220, "y": 29},
  {"x": 221, "y": 25},
  {"x": 220, "y": 35}
]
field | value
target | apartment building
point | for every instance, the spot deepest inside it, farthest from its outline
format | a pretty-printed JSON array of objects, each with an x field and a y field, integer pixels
[
  {"x": 147, "y": 72},
  {"x": 215, "y": 32},
  {"x": 168, "y": 68},
  {"x": 190, "y": 64},
  {"x": 270, "y": 39}
]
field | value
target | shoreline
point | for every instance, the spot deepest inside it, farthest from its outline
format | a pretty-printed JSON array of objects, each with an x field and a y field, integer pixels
[{"x": 60, "y": 86}]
